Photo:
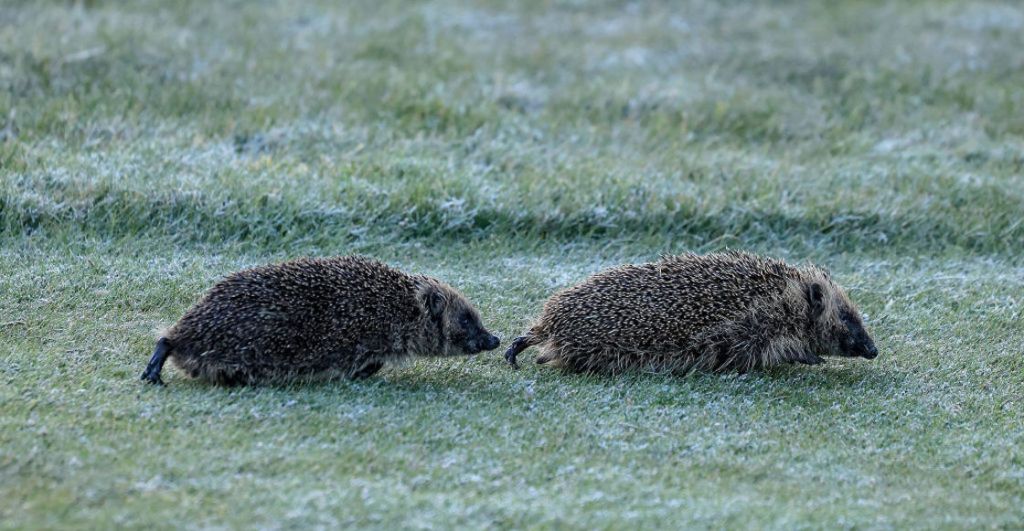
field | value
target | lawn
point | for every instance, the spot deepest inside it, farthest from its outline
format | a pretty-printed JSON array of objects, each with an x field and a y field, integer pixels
[{"x": 149, "y": 148}]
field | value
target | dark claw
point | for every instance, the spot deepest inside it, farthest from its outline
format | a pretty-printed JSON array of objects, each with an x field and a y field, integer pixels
[
  {"x": 510, "y": 357},
  {"x": 518, "y": 345},
  {"x": 156, "y": 363},
  {"x": 152, "y": 378}
]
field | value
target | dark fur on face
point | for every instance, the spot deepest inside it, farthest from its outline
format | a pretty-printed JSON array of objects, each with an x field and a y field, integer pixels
[
  {"x": 838, "y": 327},
  {"x": 457, "y": 322}
]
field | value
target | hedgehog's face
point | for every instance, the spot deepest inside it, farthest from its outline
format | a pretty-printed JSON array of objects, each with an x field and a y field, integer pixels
[
  {"x": 838, "y": 325},
  {"x": 459, "y": 323}
]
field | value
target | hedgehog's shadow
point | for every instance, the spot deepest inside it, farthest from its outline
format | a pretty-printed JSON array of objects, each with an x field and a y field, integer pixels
[
  {"x": 403, "y": 377},
  {"x": 827, "y": 377},
  {"x": 489, "y": 385},
  {"x": 777, "y": 382}
]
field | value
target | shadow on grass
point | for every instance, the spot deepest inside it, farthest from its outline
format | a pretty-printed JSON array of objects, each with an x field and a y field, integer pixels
[
  {"x": 491, "y": 387},
  {"x": 502, "y": 385}
]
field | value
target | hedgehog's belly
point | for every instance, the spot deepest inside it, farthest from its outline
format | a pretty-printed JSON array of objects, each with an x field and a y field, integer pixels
[
  {"x": 260, "y": 368},
  {"x": 615, "y": 358}
]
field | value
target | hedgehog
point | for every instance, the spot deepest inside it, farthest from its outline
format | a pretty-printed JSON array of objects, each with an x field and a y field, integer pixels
[
  {"x": 729, "y": 311},
  {"x": 317, "y": 319}
]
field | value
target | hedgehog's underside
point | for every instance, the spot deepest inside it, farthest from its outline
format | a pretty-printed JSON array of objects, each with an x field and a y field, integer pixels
[
  {"x": 731, "y": 346},
  {"x": 272, "y": 371},
  {"x": 253, "y": 368}
]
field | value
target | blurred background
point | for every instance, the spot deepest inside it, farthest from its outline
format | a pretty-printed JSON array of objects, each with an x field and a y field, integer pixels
[{"x": 857, "y": 125}]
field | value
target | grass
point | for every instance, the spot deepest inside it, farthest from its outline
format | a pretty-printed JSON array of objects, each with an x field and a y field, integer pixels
[{"x": 511, "y": 149}]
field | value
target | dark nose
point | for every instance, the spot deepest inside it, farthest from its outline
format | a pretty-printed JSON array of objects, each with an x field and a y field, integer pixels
[
  {"x": 491, "y": 342},
  {"x": 870, "y": 353}
]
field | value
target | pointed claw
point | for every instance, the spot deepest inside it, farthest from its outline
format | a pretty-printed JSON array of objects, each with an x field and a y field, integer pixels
[
  {"x": 154, "y": 379},
  {"x": 156, "y": 363},
  {"x": 518, "y": 345}
]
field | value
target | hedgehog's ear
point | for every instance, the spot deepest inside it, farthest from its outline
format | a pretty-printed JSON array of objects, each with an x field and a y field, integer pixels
[
  {"x": 816, "y": 299},
  {"x": 435, "y": 303}
]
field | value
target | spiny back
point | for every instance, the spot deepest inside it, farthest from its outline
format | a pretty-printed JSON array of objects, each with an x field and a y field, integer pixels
[
  {"x": 662, "y": 303},
  {"x": 300, "y": 299}
]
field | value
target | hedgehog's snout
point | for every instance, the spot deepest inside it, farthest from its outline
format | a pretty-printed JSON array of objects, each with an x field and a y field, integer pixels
[
  {"x": 484, "y": 341},
  {"x": 869, "y": 352},
  {"x": 490, "y": 342},
  {"x": 863, "y": 346}
]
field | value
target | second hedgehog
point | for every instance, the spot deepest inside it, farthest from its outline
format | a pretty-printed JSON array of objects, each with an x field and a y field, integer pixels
[
  {"x": 318, "y": 318},
  {"x": 722, "y": 311}
]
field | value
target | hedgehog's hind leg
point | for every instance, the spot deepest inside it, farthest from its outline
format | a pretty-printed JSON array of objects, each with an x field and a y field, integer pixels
[
  {"x": 367, "y": 370},
  {"x": 518, "y": 345},
  {"x": 156, "y": 363}
]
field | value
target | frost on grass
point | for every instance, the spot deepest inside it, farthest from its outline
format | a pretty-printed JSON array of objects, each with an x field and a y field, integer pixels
[{"x": 150, "y": 150}]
